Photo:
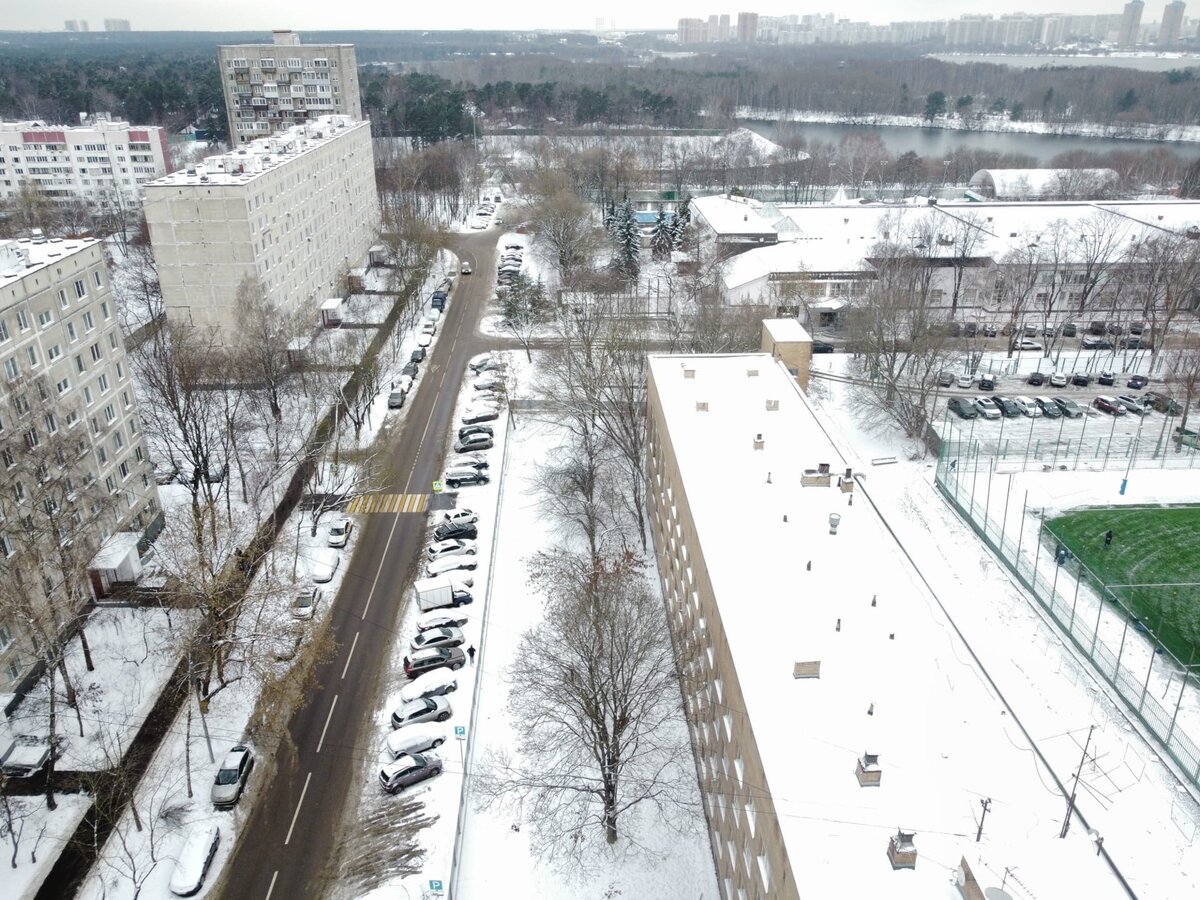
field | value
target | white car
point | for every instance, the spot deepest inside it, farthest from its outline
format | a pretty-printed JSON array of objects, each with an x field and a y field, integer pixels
[
  {"x": 434, "y": 683},
  {"x": 987, "y": 407},
  {"x": 194, "y": 859},
  {"x": 428, "y": 327},
  {"x": 478, "y": 226},
  {"x": 1028, "y": 407},
  {"x": 424, "y": 340},
  {"x": 438, "y": 637},
  {"x": 412, "y": 738},
  {"x": 404, "y": 383},
  {"x": 442, "y": 618},
  {"x": 430, "y": 709},
  {"x": 965, "y": 381},
  {"x": 1058, "y": 379},
  {"x": 460, "y": 516},
  {"x": 487, "y": 383},
  {"x": 325, "y": 566},
  {"x": 1026, "y": 344},
  {"x": 445, "y": 564},
  {"x": 453, "y": 547},
  {"x": 466, "y": 268},
  {"x": 476, "y": 460},
  {"x": 339, "y": 532}
]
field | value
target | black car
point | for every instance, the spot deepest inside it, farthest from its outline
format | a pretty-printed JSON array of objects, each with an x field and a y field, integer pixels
[
  {"x": 987, "y": 382},
  {"x": 1081, "y": 379},
  {"x": 438, "y": 295},
  {"x": 1070, "y": 408},
  {"x": 418, "y": 355},
  {"x": 478, "y": 477},
  {"x": 411, "y": 369},
  {"x": 438, "y": 303},
  {"x": 1097, "y": 343},
  {"x": 1037, "y": 379},
  {"x": 1108, "y": 379},
  {"x": 1049, "y": 408},
  {"x": 469, "y": 430},
  {"x": 448, "y": 531},
  {"x": 1070, "y": 330},
  {"x": 1008, "y": 407},
  {"x": 963, "y": 407},
  {"x": 822, "y": 347},
  {"x": 1136, "y": 343},
  {"x": 1137, "y": 382}
]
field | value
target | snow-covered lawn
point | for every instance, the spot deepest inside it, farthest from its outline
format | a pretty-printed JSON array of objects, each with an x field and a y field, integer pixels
[
  {"x": 41, "y": 833},
  {"x": 1147, "y": 818}
]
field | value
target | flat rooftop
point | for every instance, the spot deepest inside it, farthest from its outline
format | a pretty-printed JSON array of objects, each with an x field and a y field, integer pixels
[
  {"x": 894, "y": 680},
  {"x": 244, "y": 164},
  {"x": 19, "y": 258}
]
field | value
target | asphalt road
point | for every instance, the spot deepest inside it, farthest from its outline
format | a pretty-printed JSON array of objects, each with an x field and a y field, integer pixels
[{"x": 287, "y": 847}]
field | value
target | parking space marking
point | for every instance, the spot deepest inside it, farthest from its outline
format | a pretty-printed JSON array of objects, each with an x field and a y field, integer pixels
[
  {"x": 296, "y": 814},
  {"x": 350, "y": 655},
  {"x": 332, "y": 707}
]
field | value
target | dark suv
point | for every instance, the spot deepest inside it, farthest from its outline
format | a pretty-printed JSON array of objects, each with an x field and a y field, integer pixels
[
  {"x": 421, "y": 661},
  {"x": 474, "y": 477},
  {"x": 448, "y": 531}
]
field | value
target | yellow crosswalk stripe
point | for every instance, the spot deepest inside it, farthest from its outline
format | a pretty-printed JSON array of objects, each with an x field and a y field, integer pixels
[{"x": 389, "y": 503}]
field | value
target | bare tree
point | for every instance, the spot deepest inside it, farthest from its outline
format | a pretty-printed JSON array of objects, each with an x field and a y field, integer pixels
[
  {"x": 604, "y": 731},
  {"x": 524, "y": 309},
  {"x": 566, "y": 234},
  {"x": 265, "y": 333},
  {"x": 1163, "y": 269}
]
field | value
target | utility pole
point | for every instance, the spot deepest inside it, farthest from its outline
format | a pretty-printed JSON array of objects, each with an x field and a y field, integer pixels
[
  {"x": 1075, "y": 785},
  {"x": 987, "y": 805}
]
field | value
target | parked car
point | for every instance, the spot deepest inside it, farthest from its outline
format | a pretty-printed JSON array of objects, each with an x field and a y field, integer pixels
[
  {"x": 472, "y": 477},
  {"x": 1070, "y": 329},
  {"x": 1026, "y": 344},
  {"x": 946, "y": 379},
  {"x": 411, "y": 369},
  {"x": 1107, "y": 379},
  {"x": 424, "y": 340},
  {"x": 987, "y": 382},
  {"x": 418, "y": 355},
  {"x": 460, "y": 516},
  {"x": 438, "y": 637},
  {"x": 1058, "y": 379},
  {"x": 477, "y": 460},
  {"x": 1097, "y": 343},
  {"x": 822, "y": 347},
  {"x": 963, "y": 407},
  {"x": 1136, "y": 343},
  {"x": 396, "y": 400},
  {"x": 450, "y": 564},
  {"x": 481, "y": 363},
  {"x": 965, "y": 381},
  {"x": 304, "y": 604},
  {"x": 411, "y": 739},
  {"x": 1070, "y": 408},
  {"x": 1037, "y": 379},
  {"x": 469, "y": 430},
  {"x": 451, "y": 530},
  {"x": 1081, "y": 379},
  {"x": 339, "y": 531},
  {"x": 1008, "y": 407},
  {"x": 987, "y": 407},
  {"x": 1137, "y": 382},
  {"x": 1028, "y": 406},
  {"x": 165, "y": 472},
  {"x": 1162, "y": 403},
  {"x": 325, "y": 565},
  {"x": 474, "y": 416},
  {"x": 453, "y": 547},
  {"x": 421, "y": 661},
  {"x": 473, "y": 442},
  {"x": 466, "y": 268},
  {"x": 409, "y": 770},
  {"x": 442, "y": 618},
  {"x": 429, "y": 709},
  {"x": 429, "y": 326},
  {"x": 1049, "y": 408},
  {"x": 231, "y": 777},
  {"x": 1109, "y": 405},
  {"x": 1133, "y": 405},
  {"x": 195, "y": 857}
]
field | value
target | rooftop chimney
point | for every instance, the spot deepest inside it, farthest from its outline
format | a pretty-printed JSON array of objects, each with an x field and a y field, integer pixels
[
  {"x": 902, "y": 852},
  {"x": 867, "y": 771},
  {"x": 758, "y": 442}
]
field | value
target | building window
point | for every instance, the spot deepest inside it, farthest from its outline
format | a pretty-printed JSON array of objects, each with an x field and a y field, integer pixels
[
  {"x": 6, "y": 456},
  {"x": 12, "y": 370},
  {"x": 63, "y": 300},
  {"x": 51, "y": 423},
  {"x": 111, "y": 484},
  {"x": 31, "y": 352},
  {"x": 54, "y": 353},
  {"x": 4, "y": 335},
  {"x": 120, "y": 372},
  {"x": 118, "y": 441},
  {"x": 80, "y": 289},
  {"x": 102, "y": 381},
  {"x": 22, "y": 320},
  {"x": 88, "y": 322},
  {"x": 112, "y": 340},
  {"x": 72, "y": 417},
  {"x": 14, "y": 669},
  {"x": 5, "y": 631},
  {"x": 102, "y": 454},
  {"x": 97, "y": 353},
  {"x": 45, "y": 318},
  {"x": 71, "y": 332},
  {"x": 87, "y": 394},
  {"x": 96, "y": 278},
  {"x": 104, "y": 310},
  {"x": 80, "y": 366},
  {"x": 110, "y": 414},
  {"x": 63, "y": 386}
]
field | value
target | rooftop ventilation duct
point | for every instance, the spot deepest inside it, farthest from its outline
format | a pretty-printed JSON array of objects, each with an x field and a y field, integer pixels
[{"x": 902, "y": 852}]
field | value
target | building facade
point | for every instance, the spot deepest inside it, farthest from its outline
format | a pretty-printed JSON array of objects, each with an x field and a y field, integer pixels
[
  {"x": 747, "y": 27},
  {"x": 271, "y": 87},
  {"x": 76, "y": 469},
  {"x": 1171, "y": 26},
  {"x": 1131, "y": 23},
  {"x": 295, "y": 211},
  {"x": 100, "y": 161}
]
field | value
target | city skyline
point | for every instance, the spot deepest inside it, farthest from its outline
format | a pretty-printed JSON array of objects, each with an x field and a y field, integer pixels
[{"x": 225, "y": 15}]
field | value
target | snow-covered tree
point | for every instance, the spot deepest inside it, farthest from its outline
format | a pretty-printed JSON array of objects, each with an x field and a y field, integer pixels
[
  {"x": 662, "y": 240},
  {"x": 627, "y": 239}
]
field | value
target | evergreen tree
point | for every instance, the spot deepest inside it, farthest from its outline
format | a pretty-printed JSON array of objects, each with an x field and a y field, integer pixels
[
  {"x": 627, "y": 238},
  {"x": 662, "y": 241},
  {"x": 683, "y": 218}
]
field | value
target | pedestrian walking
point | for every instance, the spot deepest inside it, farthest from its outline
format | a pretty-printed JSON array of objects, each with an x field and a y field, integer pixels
[
  {"x": 471, "y": 653},
  {"x": 1108, "y": 536}
]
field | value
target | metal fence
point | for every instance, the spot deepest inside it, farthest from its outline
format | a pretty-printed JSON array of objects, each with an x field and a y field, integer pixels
[{"x": 1087, "y": 612}]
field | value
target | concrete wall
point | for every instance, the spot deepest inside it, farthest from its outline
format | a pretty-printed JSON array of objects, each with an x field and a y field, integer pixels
[{"x": 787, "y": 341}]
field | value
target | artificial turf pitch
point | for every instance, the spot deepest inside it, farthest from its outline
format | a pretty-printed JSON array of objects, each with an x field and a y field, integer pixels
[{"x": 1151, "y": 547}]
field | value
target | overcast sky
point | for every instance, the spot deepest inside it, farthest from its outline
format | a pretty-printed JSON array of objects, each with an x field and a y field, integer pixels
[{"x": 239, "y": 15}]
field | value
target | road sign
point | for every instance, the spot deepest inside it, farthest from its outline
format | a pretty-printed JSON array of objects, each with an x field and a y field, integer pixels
[
  {"x": 437, "y": 487},
  {"x": 435, "y": 884},
  {"x": 460, "y": 732}
]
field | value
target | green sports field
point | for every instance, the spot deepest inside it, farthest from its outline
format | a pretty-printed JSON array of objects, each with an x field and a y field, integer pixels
[{"x": 1151, "y": 546}]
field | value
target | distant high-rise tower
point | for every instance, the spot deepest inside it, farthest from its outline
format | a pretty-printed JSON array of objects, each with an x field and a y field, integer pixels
[
  {"x": 70, "y": 25},
  {"x": 116, "y": 25},
  {"x": 747, "y": 27},
  {"x": 692, "y": 31},
  {"x": 83, "y": 25},
  {"x": 723, "y": 29},
  {"x": 1172, "y": 23},
  {"x": 1131, "y": 23}
]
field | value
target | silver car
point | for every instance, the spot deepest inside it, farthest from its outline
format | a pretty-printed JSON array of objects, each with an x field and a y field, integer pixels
[
  {"x": 231, "y": 777},
  {"x": 427, "y": 709}
]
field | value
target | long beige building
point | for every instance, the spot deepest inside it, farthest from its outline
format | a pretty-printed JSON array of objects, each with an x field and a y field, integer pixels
[
  {"x": 271, "y": 87},
  {"x": 295, "y": 211},
  {"x": 843, "y": 736},
  {"x": 74, "y": 464}
]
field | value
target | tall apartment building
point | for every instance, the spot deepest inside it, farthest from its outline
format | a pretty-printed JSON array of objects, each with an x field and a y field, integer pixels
[
  {"x": 271, "y": 87},
  {"x": 294, "y": 210},
  {"x": 692, "y": 31},
  {"x": 724, "y": 31},
  {"x": 1131, "y": 23},
  {"x": 75, "y": 466},
  {"x": 116, "y": 25},
  {"x": 842, "y": 737},
  {"x": 99, "y": 161},
  {"x": 1172, "y": 23},
  {"x": 747, "y": 27}
]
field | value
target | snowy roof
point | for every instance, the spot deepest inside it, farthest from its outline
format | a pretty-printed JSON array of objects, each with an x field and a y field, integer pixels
[
  {"x": 727, "y": 214},
  {"x": 115, "y": 550},
  {"x": 1017, "y": 183},
  {"x": 19, "y": 258},
  {"x": 786, "y": 331},
  {"x": 894, "y": 681}
]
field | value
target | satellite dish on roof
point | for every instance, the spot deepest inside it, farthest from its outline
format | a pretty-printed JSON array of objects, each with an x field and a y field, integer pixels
[{"x": 995, "y": 893}]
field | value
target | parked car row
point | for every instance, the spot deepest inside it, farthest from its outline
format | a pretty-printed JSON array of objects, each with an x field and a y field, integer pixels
[
  {"x": 485, "y": 212},
  {"x": 1056, "y": 407},
  {"x": 509, "y": 265}
]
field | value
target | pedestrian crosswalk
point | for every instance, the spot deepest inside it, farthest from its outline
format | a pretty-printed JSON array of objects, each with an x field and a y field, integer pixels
[{"x": 389, "y": 503}]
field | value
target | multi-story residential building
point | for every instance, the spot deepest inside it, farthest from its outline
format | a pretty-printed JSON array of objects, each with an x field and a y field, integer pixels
[
  {"x": 747, "y": 27},
  {"x": 843, "y": 736},
  {"x": 1131, "y": 23},
  {"x": 116, "y": 25},
  {"x": 294, "y": 211},
  {"x": 1172, "y": 23},
  {"x": 271, "y": 87},
  {"x": 100, "y": 161},
  {"x": 692, "y": 31},
  {"x": 75, "y": 467}
]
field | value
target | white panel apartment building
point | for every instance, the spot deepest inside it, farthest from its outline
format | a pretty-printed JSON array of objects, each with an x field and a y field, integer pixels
[
  {"x": 64, "y": 383},
  {"x": 271, "y": 87},
  {"x": 294, "y": 210},
  {"x": 100, "y": 161}
]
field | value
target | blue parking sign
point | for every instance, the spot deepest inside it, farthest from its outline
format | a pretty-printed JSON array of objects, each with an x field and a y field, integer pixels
[{"x": 435, "y": 884}]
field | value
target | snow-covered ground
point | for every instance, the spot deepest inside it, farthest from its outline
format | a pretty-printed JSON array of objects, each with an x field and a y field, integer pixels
[
  {"x": 982, "y": 122},
  {"x": 41, "y": 834},
  {"x": 1131, "y": 797}
]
